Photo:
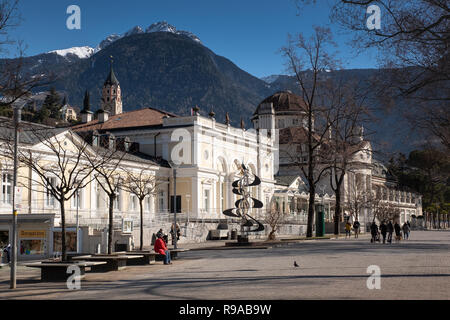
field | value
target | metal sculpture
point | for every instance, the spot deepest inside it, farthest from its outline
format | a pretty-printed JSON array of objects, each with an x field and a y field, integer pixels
[{"x": 246, "y": 203}]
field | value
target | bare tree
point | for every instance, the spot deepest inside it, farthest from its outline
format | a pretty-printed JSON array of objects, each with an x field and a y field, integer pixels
[
  {"x": 308, "y": 60},
  {"x": 141, "y": 184},
  {"x": 385, "y": 211},
  {"x": 111, "y": 179},
  {"x": 15, "y": 83},
  {"x": 274, "y": 217},
  {"x": 345, "y": 140},
  {"x": 61, "y": 165},
  {"x": 413, "y": 43},
  {"x": 358, "y": 198}
]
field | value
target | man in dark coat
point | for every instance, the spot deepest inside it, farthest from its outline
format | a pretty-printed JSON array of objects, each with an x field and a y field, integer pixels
[
  {"x": 356, "y": 226},
  {"x": 390, "y": 230},
  {"x": 398, "y": 232},
  {"x": 374, "y": 231},
  {"x": 383, "y": 230}
]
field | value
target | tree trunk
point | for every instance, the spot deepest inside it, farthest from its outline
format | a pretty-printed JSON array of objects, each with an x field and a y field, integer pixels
[
  {"x": 272, "y": 235},
  {"x": 312, "y": 195},
  {"x": 111, "y": 227},
  {"x": 141, "y": 207},
  {"x": 63, "y": 231},
  {"x": 337, "y": 211}
]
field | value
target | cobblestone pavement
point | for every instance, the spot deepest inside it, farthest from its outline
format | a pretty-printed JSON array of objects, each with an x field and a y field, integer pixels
[{"x": 418, "y": 268}]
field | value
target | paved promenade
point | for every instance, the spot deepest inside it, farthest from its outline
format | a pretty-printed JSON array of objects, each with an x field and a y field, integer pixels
[{"x": 418, "y": 268}]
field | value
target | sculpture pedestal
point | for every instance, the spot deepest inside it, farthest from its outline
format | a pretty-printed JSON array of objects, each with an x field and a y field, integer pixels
[{"x": 242, "y": 239}]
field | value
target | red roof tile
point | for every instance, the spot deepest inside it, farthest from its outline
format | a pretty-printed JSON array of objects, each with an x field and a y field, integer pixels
[{"x": 138, "y": 118}]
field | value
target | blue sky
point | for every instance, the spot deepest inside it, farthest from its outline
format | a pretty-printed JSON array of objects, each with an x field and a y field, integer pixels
[{"x": 247, "y": 32}]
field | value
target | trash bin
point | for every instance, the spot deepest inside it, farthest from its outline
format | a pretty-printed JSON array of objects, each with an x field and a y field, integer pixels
[
  {"x": 233, "y": 234},
  {"x": 320, "y": 224}
]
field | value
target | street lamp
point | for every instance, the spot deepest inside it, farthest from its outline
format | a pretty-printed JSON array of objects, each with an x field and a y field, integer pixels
[
  {"x": 77, "y": 194},
  {"x": 16, "y": 119},
  {"x": 174, "y": 166},
  {"x": 188, "y": 197}
]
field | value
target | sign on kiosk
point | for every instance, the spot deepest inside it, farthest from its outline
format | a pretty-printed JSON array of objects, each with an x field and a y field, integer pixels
[{"x": 32, "y": 234}]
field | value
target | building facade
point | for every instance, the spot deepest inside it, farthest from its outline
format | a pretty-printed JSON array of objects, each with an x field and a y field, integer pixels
[{"x": 365, "y": 176}]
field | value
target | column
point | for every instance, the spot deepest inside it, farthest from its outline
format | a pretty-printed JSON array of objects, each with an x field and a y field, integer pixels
[{"x": 195, "y": 198}]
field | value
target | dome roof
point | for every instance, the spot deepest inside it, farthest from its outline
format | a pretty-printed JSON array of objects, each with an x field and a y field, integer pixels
[{"x": 284, "y": 101}]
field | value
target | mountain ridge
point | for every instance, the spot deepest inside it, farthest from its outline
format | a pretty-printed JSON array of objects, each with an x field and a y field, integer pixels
[{"x": 170, "y": 71}]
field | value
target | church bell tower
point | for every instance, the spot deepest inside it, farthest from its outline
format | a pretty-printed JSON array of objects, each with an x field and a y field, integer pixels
[{"x": 111, "y": 94}]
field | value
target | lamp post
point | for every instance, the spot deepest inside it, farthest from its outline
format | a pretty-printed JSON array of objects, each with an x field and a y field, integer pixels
[
  {"x": 188, "y": 197},
  {"x": 16, "y": 119},
  {"x": 174, "y": 234},
  {"x": 77, "y": 194}
]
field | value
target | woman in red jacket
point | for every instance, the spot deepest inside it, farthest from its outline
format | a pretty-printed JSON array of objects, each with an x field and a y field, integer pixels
[{"x": 161, "y": 248}]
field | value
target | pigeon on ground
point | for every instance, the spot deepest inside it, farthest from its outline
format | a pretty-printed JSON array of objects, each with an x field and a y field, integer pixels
[{"x": 295, "y": 264}]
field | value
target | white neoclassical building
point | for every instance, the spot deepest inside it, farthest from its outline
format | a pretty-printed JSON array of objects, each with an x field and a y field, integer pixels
[
  {"x": 286, "y": 112},
  {"x": 211, "y": 154}
]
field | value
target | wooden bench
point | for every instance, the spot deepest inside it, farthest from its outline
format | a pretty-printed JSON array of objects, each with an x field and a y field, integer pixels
[
  {"x": 57, "y": 271},
  {"x": 70, "y": 256},
  {"x": 113, "y": 262},
  {"x": 173, "y": 254},
  {"x": 147, "y": 258}
]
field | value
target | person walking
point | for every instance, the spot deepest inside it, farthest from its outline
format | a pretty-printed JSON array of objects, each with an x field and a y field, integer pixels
[
  {"x": 356, "y": 226},
  {"x": 383, "y": 230},
  {"x": 398, "y": 232},
  {"x": 161, "y": 248},
  {"x": 405, "y": 229},
  {"x": 390, "y": 230},
  {"x": 172, "y": 233},
  {"x": 348, "y": 229},
  {"x": 374, "y": 232}
]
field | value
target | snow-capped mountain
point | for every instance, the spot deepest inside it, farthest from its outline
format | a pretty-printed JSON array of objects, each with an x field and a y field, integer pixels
[
  {"x": 135, "y": 30},
  {"x": 80, "y": 52},
  {"x": 270, "y": 79},
  {"x": 86, "y": 52},
  {"x": 110, "y": 39},
  {"x": 161, "y": 26}
]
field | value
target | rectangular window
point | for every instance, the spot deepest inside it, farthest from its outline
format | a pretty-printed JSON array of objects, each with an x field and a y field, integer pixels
[
  {"x": 148, "y": 203},
  {"x": 71, "y": 241},
  {"x": 7, "y": 187},
  {"x": 117, "y": 200},
  {"x": 77, "y": 200},
  {"x": 133, "y": 202},
  {"x": 32, "y": 247},
  {"x": 178, "y": 204},
  {"x": 127, "y": 225},
  {"x": 49, "y": 198},
  {"x": 98, "y": 193},
  {"x": 161, "y": 196},
  {"x": 206, "y": 199},
  {"x": 222, "y": 196}
]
